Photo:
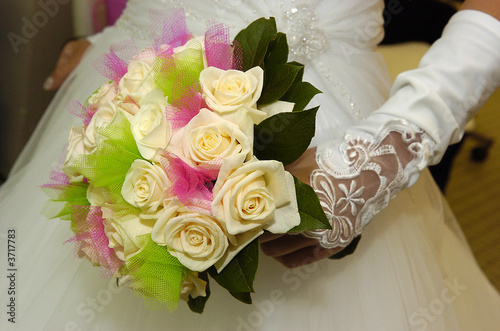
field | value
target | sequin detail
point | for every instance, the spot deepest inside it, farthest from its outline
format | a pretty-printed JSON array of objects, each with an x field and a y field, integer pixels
[{"x": 306, "y": 39}]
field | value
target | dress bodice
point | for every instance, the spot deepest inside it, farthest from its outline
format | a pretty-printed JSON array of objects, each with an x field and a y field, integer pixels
[
  {"x": 335, "y": 40},
  {"x": 309, "y": 24}
]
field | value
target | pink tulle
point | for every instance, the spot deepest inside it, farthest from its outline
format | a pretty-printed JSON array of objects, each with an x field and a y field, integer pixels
[
  {"x": 218, "y": 49},
  {"x": 57, "y": 179},
  {"x": 168, "y": 27},
  {"x": 193, "y": 187},
  {"x": 76, "y": 108},
  {"x": 91, "y": 241},
  {"x": 113, "y": 65},
  {"x": 187, "y": 107}
]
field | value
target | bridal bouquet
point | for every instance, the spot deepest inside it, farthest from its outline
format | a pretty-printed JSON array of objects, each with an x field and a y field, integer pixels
[{"x": 179, "y": 165}]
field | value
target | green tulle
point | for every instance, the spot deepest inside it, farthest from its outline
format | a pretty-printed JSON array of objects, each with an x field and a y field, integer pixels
[
  {"x": 107, "y": 166},
  {"x": 63, "y": 198},
  {"x": 177, "y": 77},
  {"x": 156, "y": 274}
]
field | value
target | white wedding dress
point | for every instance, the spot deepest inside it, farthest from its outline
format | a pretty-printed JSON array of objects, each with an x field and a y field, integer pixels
[{"x": 412, "y": 270}]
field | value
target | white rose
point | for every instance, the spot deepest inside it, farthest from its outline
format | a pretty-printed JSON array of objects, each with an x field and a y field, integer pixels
[
  {"x": 232, "y": 90},
  {"x": 107, "y": 92},
  {"x": 129, "y": 109},
  {"x": 99, "y": 196},
  {"x": 277, "y": 107},
  {"x": 150, "y": 127},
  {"x": 123, "y": 232},
  {"x": 145, "y": 186},
  {"x": 192, "y": 51},
  {"x": 102, "y": 118},
  {"x": 170, "y": 209},
  {"x": 209, "y": 136},
  {"x": 196, "y": 240},
  {"x": 255, "y": 194},
  {"x": 74, "y": 151},
  {"x": 237, "y": 243},
  {"x": 193, "y": 286},
  {"x": 138, "y": 81}
]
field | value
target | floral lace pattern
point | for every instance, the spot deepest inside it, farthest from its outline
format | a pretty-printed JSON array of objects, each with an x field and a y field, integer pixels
[{"x": 358, "y": 179}]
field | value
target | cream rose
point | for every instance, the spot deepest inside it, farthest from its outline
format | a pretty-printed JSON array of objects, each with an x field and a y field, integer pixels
[
  {"x": 209, "y": 136},
  {"x": 98, "y": 196},
  {"x": 150, "y": 127},
  {"x": 236, "y": 244},
  {"x": 107, "y": 92},
  {"x": 129, "y": 109},
  {"x": 137, "y": 81},
  {"x": 196, "y": 240},
  {"x": 145, "y": 186},
  {"x": 193, "y": 286},
  {"x": 74, "y": 151},
  {"x": 255, "y": 194},
  {"x": 193, "y": 51},
  {"x": 123, "y": 232},
  {"x": 170, "y": 210},
  {"x": 277, "y": 107},
  {"x": 232, "y": 90},
  {"x": 101, "y": 119}
]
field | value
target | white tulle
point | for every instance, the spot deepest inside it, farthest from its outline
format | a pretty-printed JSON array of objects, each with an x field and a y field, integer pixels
[{"x": 412, "y": 270}]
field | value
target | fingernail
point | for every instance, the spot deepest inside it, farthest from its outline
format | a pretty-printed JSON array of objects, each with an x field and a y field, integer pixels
[{"x": 47, "y": 85}]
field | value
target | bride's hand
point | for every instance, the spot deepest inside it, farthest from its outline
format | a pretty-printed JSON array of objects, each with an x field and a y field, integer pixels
[
  {"x": 69, "y": 58},
  {"x": 296, "y": 250},
  {"x": 304, "y": 165}
]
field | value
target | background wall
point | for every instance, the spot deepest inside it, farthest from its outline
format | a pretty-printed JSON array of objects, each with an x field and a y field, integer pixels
[{"x": 33, "y": 32}]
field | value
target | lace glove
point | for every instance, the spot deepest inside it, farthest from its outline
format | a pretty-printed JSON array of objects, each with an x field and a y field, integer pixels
[{"x": 427, "y": 111}]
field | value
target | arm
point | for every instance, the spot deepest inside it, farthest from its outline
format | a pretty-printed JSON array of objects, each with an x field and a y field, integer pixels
[{"x": 427, "y": 111}]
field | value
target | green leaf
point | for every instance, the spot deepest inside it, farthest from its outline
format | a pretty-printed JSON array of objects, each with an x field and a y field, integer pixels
[
  {"x": 301, "y": 73},
  {"x": 277, "y": 52},
  {"x": 239, "y": 274},
  {"x": 254, "y": 41},
  {"x": 285, "y": 136},
  {"x": 277, "y": 81},
  {"x": 198, "y": 304},
  {"x": 243, "y": 297},
  {"x": 312, "y": 216},
  {"x": 301, "y": 94}
]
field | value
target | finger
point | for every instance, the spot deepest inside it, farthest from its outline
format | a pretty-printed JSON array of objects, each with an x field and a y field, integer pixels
[
  {"x": 61, "y": 70},
  {"x": 306, "y": 255},
  {"x": 68, "y": 59},
  {"x": 286, "y": 245},
  {"x": 67, "y": 62},
  {"x": 268, "y": 236}
]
